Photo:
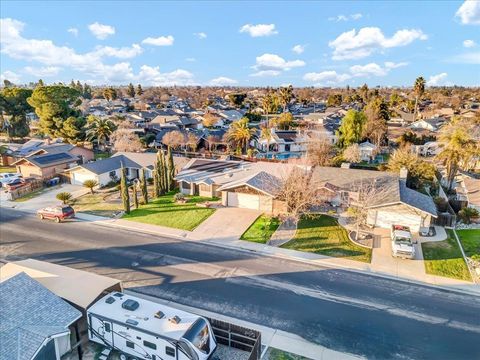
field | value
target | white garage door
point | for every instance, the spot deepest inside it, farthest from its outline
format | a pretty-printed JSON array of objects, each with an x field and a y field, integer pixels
[
  {"x": 385, "y": 219},
  {"x": 247, "y": 201}
]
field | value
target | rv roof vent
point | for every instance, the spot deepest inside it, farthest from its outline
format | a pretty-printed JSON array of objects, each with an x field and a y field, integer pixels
[
  {"x": 175, "y": 319},
  {"x": 110, "y": 300},
  {"x": 132, "y": 322},
  {"x": 130, "y": 304},
  {"x": 159, "y": 315},
  {"x": 118, "y": 294}
]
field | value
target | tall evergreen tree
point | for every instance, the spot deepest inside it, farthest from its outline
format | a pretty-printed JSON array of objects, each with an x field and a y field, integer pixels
[
  {"x": 160, "y": 170},
  {"x": 170, "y": 170},
  {"x": 139, "y": 90},
  {"x": 135, "y": 196},
  {"x": 124, "y": 190},
  {"x": 165, "y": 173},
  {"x": 143, "y": 185},
  {"x": 131, "y": 90},
  {"x": 156, "y": 182}
]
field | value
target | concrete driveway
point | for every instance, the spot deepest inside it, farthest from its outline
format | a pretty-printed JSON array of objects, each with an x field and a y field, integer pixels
[
  {"x": 48, "y": 197},
  {"x": 226, "y": 224},
  {"x": 384, "y": 262}
]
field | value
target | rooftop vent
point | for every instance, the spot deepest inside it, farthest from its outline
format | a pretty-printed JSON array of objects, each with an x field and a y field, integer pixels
[
  {"x": 118, "y": 294},
  {"x": 132, "y": 322},
  {"x": 159, "y": 315},
  {"x": 130, "y": 305},
  {"x": 175, "y": 320},
  {"x": 110, "y": 300}
]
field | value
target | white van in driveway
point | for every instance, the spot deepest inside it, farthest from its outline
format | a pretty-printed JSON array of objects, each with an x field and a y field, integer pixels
[
  {"x": 402, "y": 243},
  {"x": 7, "y": 177}
]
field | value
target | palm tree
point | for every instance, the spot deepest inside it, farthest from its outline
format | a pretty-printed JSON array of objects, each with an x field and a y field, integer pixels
[
  {"x": 266, "y": 134},
  {"x": 418, "y": 90},
  {"x": 90, "y": 184},
  {"x": 240, "y": 134},
  {"x": 285, "y": 95},
  {"x": 459, "y": 147},
  {"x": 64, "y": 196},
  {"x": 100, "y": 129},
  {"x": 270, "y": 103}
]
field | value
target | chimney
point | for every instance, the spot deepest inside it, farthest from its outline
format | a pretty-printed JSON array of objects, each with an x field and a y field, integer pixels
[{"x": 403, "y": 173}]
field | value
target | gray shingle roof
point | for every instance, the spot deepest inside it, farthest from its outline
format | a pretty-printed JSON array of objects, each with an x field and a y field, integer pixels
[
  {"x": 106, "y": 165},
  {"x": 29, "y": 314},
  {"x": 262, "y": 181},
  {"x": 51, "y": 159}
]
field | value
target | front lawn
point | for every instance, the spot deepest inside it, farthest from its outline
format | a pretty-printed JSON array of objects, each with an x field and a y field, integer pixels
[
  {"x": 470, "y": 239},
  {"x": 444, "y": 258},
  {"x": 323, "y": 235},
  {"x": 261, "y": 230},
  {"x": 107, "y": 205},
  {"x": 164, "y": 211}
]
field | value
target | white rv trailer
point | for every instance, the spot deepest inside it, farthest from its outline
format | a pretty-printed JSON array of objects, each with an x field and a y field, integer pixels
[{"x": 149, "y": 331}]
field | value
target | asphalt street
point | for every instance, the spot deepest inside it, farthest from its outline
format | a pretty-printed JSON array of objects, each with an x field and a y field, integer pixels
[{"x": 346, "y": 311}]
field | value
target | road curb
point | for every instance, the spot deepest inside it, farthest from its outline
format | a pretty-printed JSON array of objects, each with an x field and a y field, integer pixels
[{"x": 316, "y": 263}]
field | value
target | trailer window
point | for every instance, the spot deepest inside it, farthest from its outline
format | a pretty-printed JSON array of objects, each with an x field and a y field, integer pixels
[
  {"x": 130, "y": 345},
  {"x": 150, "y": 345},
  {"x": 107, "y": 327},
  {"x": 169, "y": 351}
]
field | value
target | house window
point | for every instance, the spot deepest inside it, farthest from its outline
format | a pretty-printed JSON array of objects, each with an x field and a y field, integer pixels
[
  {"x": 150, "y": 345},
  {"x": 112, "y": 174},
  {"x": 169, "y": 351},
  {"x": 130, "y": 344}
]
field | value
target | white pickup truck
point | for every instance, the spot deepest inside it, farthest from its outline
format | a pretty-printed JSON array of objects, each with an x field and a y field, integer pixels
[{"x": 402, "y": 242}]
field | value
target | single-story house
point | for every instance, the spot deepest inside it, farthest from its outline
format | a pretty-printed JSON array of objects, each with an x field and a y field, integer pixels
[
  {"x": 432, "y": 124},
  {"x": 40, "y": 147},
  {"x": 107, "y": 170},
  {"x": 45, "y": 166},
  {"x": 400, "y": 205},
  {"x": 35, "y": 323},
  {"x": 468, "y": 189},
  {"x": 367, "y": 151},
  {"x": 284, "y": 141}
]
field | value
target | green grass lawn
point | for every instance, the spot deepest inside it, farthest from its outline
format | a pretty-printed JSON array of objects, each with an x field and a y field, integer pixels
[
  {"x": 164, "y": 211},
  {"x": 277, "y": 354},
  {"x": 444, "y": 258},
  {"x": 96, "y": 205},
  {"x": 8, "y": 169},
  {"x": 262, "y": 229},
  {"x": 470, "y": 239},
  {"x": 323, "y": 235}
]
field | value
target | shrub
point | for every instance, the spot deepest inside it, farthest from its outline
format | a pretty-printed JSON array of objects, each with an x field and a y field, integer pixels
[
  {"x": 64, "y": 196},
  {"x": 467, "y": 214},
  {"x": 150, "y": 181},
  {"x": 179, "y": 197},
  {"x": 441, "y": 203}
]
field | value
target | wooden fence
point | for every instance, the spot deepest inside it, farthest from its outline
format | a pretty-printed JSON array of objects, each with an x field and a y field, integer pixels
[{"x": 31, "y": 186}]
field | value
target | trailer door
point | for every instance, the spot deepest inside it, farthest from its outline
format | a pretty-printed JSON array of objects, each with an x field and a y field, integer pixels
[{"x": 101, "y": 331}]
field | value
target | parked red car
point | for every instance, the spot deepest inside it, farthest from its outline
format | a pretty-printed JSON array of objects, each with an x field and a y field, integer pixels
[
  {"x": 15, "y": 184},
  {"x": 57, "y": 213}
]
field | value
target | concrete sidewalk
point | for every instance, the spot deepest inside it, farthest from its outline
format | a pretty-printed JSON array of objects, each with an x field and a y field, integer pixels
[
  {"x": 304, "y": 257},
  {"x": 270, "y": 337}
]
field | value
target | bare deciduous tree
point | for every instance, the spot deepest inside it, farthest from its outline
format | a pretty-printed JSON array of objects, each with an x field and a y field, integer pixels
[
  {"x": 320, "y": 152},
  {"x": 174, "y": 139},
  {"x": 352, "y": 153},
  {"x": 124, "y": 139}
]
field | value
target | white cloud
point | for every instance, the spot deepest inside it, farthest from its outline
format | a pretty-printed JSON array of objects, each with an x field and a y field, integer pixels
[
  {"x": 356, "y": 45},
  {"x": 266, "y": 73},
  {"x": 330, "y": 77},
  {"x": 46, "y": 71},
  {"x": 341, "y": 17},
  {"x": 73, "y": 31},
  {"x": 159, "y": 41},
  {"x": 10, "y": 76},
  {"x": 298, "y": 49},
  {"x": 259, "y": 30},
  {"x": 190, "y": 59},
  {"x": 436, "y": 80},
  {"x": 469, "y": 12},
  {"x": 152, "y": 76},
  {"x": 275, "y": 62},
  {"x": 121, "y": 53},
  {"x": 467, "y": 58},
  {"x": 101, "y": 31},
  {"x": 222, "y": 81},
  {"x": 200, "y": 35},
  {"x": 469, "y": 43}
]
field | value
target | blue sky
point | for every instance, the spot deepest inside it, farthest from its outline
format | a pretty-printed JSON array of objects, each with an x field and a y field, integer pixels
[{"x": 242, "y": 43}]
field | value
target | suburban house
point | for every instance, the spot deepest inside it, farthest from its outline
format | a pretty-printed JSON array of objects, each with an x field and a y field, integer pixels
[
  {"x": 432, "y": 124},
  {"x": 35, "y": 323},
  {"x": 398, "y": 205},
  {"x": 239, "y": 184},
  {"x": 430, "y": 148},
  {"x": 108, "y": 170},
  {"x": 284, "y": 141},
  {"x": 367, "y": 151},
  {"x": 45, "y": 166},
  {"x": 468, "y": 190}
]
